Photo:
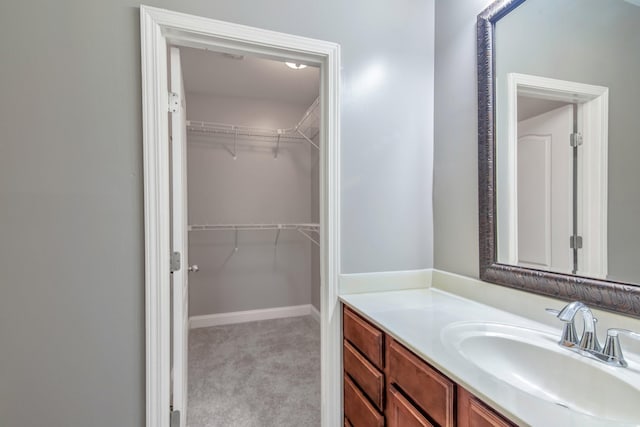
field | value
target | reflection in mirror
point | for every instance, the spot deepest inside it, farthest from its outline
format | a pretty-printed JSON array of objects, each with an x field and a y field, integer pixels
[{"x": 568, "y": 138}]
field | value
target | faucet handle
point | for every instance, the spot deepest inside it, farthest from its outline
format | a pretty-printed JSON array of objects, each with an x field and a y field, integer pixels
[
  {"x": 617, "y": 331},
  {"x": 569, "y": 336},
  {"x": 612, "y": 349}
]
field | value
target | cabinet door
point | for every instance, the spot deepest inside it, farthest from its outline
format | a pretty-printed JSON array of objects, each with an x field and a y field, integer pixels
[
  {"x": 429, "y": 389},
  {"x": 401, "y": 413},
  {"x": 368, "y": 339},
  {"x": 357, "y": 408},
  {"x": 364, "y": 374},
  {"x": 474, "y": 413}
]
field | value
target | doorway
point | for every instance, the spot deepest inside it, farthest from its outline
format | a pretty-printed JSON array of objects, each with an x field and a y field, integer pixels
[
  {"x": 161, "y": 29},
  {"x": 249, "y": 236},
  {"x": 567, "y": 121}
]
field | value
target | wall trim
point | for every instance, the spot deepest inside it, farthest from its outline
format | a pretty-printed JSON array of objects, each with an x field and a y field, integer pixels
[
  {"x": 315, "y": 313},
  {"x": 158, "y": 29},
  {"x": 356, "y": 283},
  {"x": 218, "y": 319}
]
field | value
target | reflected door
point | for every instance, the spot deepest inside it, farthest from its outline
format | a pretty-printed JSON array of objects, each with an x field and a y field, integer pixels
[{"x": 545, "y": 190}]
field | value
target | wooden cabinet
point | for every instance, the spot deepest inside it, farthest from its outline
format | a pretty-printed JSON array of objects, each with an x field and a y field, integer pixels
[
  {"x": 387, "y": 384},
  {"x": 473, "y": 413},
  {"x": 370, "y": 380},
  {"x": 432, "y": 392},
  {"x": 401, "y": 413},
  {"x": 368, "y": 339},
  {"x": 364, "y": 381},
  {"x": 357, "y": 408}
]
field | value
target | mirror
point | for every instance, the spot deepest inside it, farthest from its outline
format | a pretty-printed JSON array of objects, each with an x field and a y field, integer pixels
[{"x": 559, "y": 183}]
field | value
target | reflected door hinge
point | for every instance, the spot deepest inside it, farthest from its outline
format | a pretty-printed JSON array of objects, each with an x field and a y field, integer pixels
[
  {"x": 175, "y": 261},
  {"x": 174, "y": 102},
  {"x": 175, "y": 419},
  {"x": 575, "y": 242},
  {"x": 575, "y": 139}
]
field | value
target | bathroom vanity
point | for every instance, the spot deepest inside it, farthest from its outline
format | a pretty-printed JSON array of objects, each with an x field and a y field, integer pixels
[
  {"x": 425, "y": 357},
  {"x": 379, "y": 369}
]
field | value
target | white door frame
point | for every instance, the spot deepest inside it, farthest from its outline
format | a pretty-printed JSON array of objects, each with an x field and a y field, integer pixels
[
  {"x": 593, "y": 120},
  {"x": 158, "y": 29}
]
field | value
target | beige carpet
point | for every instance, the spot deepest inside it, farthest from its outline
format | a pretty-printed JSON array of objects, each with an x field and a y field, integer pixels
[{"x": 256, "y": 374}]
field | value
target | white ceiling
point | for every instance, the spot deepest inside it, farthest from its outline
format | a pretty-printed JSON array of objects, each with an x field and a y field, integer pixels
[{"x": 251, "y": 77}]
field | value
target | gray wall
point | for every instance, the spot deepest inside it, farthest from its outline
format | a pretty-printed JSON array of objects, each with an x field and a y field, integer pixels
[
  {"x": 71, "y": 223},
  {"x": 592, "y": 42},
  {"x": 253, "y": 188},
  {"x": 455, "y": 189}
]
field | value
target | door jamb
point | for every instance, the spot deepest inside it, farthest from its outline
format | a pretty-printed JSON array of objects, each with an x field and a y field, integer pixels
[{"x": 158, "y": 28}]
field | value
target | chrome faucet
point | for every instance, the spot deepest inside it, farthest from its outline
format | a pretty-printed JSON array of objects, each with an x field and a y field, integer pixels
[
  {"x": 588, "y": 344},
  {"x": 589, "y": 340}
]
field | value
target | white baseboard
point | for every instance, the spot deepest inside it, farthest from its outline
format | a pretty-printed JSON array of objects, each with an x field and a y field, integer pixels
[
  {"x": 208, "y": 320},
  {"x": 385, "y": 281},
  {"x": 315, "y": 314}
]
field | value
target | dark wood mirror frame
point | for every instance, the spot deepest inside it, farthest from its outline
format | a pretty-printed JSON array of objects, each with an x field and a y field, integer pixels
[{"x": 619, "y": 297}]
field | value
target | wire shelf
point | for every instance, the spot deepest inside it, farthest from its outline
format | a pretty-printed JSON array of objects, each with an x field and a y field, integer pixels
[
  {"x": 306, "y": 129},
  {"x": 304, "y": 229}
]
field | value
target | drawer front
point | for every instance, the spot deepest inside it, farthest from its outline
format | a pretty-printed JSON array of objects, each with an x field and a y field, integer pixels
[
  {"x": 402, "y": 413},
  {"x": 474, "y": 413},
  {"x": 363, "y": 373},
  {"x": 357, "y": 409},
  {"x": 429, "y": 389},
  {"x": 364, "y": 336}
]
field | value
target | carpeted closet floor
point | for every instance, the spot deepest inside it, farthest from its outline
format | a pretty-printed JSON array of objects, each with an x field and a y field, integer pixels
[{"x": 256, "y": 374}]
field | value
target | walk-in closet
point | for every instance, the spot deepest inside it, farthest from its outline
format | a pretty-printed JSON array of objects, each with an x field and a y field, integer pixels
[{"x": 252, "y": 185}]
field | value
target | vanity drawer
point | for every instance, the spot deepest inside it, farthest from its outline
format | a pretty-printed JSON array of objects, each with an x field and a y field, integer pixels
[
  {"x": 474, "y": 413},
  {"x": 357, "y": 408},
  {"x": 401, "y": 413},
  {"x": 429, "y": 389},
  {"x": 364, "y": 336},
  {"x": 363, "y": 373}
]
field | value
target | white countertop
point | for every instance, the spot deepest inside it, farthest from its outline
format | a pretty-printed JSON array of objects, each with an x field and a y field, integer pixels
[{"x": 417, "y": 319}]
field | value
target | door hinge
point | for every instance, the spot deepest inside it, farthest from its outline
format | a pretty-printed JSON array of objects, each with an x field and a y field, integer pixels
[
  {"x": 175, "y": 419},
  {"x": 575, "y": 139},
  {"x": 175, "y": 261},
  {"x": 174, "y": 102},
  {"x": 575, "y": 242}
]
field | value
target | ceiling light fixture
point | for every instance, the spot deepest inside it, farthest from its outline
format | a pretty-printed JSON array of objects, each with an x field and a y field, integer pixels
[{"x": 295, "y": 65}]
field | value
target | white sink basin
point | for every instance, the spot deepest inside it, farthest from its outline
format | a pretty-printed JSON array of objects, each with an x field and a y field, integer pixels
[{"x": 533, "y": 362}]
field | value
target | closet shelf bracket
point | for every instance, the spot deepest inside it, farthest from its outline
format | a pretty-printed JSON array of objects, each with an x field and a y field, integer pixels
[
  {"x": 308, "y": 236},
  {"x": 275, "y": 244},
  {"x": 275, "y": 155},
  {"x": 235, "y": 246},
  {"x": 308, "y": 140}
]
